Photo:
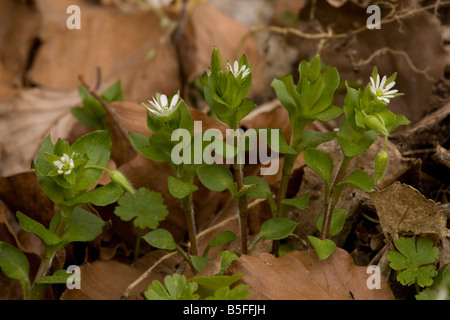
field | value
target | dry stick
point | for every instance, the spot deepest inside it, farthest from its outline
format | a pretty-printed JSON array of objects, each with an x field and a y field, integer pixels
[
  {"x": 402, "y": 53},
  {"x": 167, "y": 256},
  {"x": 329, "y": 35}
]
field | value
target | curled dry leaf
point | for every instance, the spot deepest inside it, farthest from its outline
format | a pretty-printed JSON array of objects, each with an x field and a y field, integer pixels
[
  {"x": 403, "y": 210},
  {"x": 302, "y": 276}
]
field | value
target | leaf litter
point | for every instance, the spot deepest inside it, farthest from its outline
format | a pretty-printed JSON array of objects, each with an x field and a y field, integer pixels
[{"x": 28, "y": 115}]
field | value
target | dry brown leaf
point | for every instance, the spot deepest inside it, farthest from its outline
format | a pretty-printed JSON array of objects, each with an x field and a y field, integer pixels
[
  {"x": 302, "y": 276},
  {"x": 108, "y": 280},
  {"x": 116, "y": 42},
  {"x": 16, "y": 40},
  {"x": 27, "y": 119},
  {"x": 403, "y": 210}
]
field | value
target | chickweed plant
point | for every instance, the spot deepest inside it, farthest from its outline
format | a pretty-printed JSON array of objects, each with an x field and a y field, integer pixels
[{"x": 67, "y": 173}]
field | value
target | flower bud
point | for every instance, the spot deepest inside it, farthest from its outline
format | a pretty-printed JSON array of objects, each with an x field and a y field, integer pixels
[
  {"x": 381, "y": 162},
  {"x": 375, "y": 123},
  {"x": 120, "y": 179}
]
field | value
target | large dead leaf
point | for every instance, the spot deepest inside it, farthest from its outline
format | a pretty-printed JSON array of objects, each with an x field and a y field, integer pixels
[
  {"x": 27, "y": 119},
  {"x": 302, "y": 276},
  {"x": 108, "y": 280},
  {"x": 116, "y": 42},
  {"x": 403, "y": 210}
]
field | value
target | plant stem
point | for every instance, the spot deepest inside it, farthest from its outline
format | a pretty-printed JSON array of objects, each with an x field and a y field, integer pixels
[
  {"x": 288, "y": 166},
  {"x": 187, "y": 259},
  {"x": 332, "y": 197},
  {"x": 49, "y": 253},
  {"x": 137, "y": 244},
  {"x": 241, "y": 200},
  {"x": 186, "y": 204}
]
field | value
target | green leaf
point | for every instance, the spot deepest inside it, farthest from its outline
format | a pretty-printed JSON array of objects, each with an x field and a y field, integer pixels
[
  {"x": 82, "y": 226},
  {"x": 101, "y": 196},
  {"x": 220, "y": 239},
  {"x": 180, "y": 189},
  {"x": 261, "y": 190},
  {"x": 239, "y": 292},
  {"x": 208, "y": 285},
  {"x": 199, "y": 262},
  {"x": 320, "y": 162},
  {"x": 324, "y": 248},
  {"x": 142, "y": 144},
  {"x": 354, "y": 142},
  {"x": 30, "y": 225},
  {"x": 299, "y": 202},
  {"x": 145, "y": 207},
  {"x": 114, "y": 92},
  {"x": 216, "y": 178},
  {"x": 276, "y": 228},
  {"x": 58, "y": 277},
  {"x": 414, "y": 259},
  {"x": 360, "y": 180},
  {"x": 337, "y": 222},
  {"x": 178, "y": 288},
  {"x": 330, "y": 113},
  {"x": 96, "y": 146},
  {"x": 226, "y": 258},
  {"x": 312, "y": 138},
  {"x": 15, "y": 265},
  {"x": 161, "y": 239}
]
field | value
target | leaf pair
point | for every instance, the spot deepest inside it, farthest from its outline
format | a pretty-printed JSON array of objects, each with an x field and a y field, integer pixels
[{"x": 208, "y": 288}]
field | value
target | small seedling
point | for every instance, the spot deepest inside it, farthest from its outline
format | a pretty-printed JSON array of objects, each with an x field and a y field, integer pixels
[{"x": 415, "y": 261}]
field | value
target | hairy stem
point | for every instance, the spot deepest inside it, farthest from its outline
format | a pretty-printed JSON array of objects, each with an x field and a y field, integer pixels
[
  {"x": 332, "y": 197},
  {"x": 36, "y": 292},
  {"x": 186, "y": 204},
  {"x": 241, "y": 202}
]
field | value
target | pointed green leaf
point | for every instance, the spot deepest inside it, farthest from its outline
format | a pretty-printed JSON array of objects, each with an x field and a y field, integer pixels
[
  {"x": 161, "y": 239},
  {"x": 180, "y": 189},
  {"x": 336, "y": 224},
  {"x": 299, "y": 202},
  {"x": 276, "y": 228},
  {"x": 324, "y": 248},
  {"x": 216, "y": 178},
  {"x": 359, "y": 179},
  {"x": 100, "y": 196},
  {"x": 82, "y": 226},
  {"x": 30, "y": 225},
  {"x": 15, "y": 265},
  {"x": 320, "y": 162}
]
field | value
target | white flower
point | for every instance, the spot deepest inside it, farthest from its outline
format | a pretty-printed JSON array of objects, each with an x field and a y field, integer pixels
[
  {"x": 381, "y": 89},
  {"x": 161, "y": 107},
  {"x": 236, "y": 71},
  {"x": 65, "y": 165}
]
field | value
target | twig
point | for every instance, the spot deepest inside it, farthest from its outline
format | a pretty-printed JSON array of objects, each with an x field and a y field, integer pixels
[
  {"x": 402, "y": 53},
  {"x": 330, "y": 35},
  {"x": 171, "y": 254},
  {"x": 147, "y": 273}
]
